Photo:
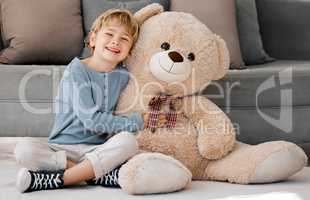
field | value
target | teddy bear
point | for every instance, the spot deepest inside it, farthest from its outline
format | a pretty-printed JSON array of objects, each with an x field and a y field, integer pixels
[{"x": 175, "y": 57}]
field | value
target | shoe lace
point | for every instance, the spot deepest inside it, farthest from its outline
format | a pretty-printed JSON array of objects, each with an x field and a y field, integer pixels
[
  {"x": 109, "y": 179},
  {"x": 45, "y": 181}
]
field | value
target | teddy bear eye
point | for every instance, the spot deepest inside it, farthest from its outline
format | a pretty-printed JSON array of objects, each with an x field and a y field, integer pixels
[
  {"x": 191, "y": 56},
  {"x": 165, "y": 46}
]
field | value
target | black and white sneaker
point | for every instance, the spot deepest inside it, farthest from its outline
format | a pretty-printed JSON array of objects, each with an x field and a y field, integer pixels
[
  {"x": 108, "y": 180},
  {"x": 28, "y": 181}
]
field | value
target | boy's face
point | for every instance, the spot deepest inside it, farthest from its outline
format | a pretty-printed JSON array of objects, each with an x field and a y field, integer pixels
[{"x": 112, "y": 42}]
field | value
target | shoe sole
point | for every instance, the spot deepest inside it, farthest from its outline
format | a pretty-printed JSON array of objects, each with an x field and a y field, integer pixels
[{"x": 23, "y": 179}]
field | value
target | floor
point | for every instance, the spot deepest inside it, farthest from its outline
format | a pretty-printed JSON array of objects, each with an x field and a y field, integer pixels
[{"x": 296, "y": 187}]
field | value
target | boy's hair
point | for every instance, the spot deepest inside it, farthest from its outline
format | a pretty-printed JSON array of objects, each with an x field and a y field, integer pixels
[{"x": 125, "y": 17}]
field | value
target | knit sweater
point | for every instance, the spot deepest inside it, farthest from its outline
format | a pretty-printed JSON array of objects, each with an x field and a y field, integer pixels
[{"x": 85, "y": 103}]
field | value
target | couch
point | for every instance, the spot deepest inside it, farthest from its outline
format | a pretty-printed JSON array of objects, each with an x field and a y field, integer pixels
[
  {"x": 266, "y": 101},
  {"x": 271, "y": 101}
]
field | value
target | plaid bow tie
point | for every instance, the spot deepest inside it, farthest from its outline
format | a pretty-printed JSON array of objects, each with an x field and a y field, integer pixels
[{"x": 155, "y": 105}]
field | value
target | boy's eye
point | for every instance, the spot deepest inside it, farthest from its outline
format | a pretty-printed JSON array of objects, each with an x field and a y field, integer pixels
[
  {"x": 109, "y": 34},
  {"x": 126, "y": 39}
]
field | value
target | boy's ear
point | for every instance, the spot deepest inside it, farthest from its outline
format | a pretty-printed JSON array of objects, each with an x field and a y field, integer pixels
[
  {"x": 92, "y": 38},
  {"x": 147, "y": 12}
]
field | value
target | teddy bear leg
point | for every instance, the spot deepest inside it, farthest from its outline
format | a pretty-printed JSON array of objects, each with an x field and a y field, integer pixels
[
  {"x": 263, "y": 163},
  {"x": 149, "y": 173}
]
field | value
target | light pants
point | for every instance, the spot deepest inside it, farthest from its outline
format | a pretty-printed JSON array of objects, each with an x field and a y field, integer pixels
[{"x": 37, "y": 155}]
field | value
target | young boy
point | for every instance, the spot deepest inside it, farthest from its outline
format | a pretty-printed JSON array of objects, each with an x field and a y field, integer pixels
[{"x": 87, "y": 142}]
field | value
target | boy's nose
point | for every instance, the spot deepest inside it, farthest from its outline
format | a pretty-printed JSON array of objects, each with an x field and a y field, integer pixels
[{"x": 115, "y": 42}]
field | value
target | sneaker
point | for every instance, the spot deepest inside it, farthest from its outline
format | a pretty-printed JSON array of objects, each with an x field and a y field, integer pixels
[
  {"x": 28, "y": 181},
  {"x": 108, "y": 180}
]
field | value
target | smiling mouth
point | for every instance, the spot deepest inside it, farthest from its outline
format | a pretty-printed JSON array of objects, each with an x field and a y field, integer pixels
[
  {"x": 165, "y": 69},
  {"x": 113, "y": 50}
]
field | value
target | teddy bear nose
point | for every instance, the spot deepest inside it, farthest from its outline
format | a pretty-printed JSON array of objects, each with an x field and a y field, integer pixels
[{"x": 175, "y": 56}]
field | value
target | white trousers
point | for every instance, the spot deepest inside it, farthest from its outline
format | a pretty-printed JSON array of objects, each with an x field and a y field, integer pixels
[{"x": 37, "y": 155}]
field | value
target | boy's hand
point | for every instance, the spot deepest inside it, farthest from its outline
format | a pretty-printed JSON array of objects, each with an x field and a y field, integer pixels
[
  {"x": 161, "y": 119},
  {"x": 145, "y": 117}
]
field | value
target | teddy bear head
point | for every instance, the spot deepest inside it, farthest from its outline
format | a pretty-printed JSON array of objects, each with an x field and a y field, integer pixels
[{"x": 175, "y": 53}]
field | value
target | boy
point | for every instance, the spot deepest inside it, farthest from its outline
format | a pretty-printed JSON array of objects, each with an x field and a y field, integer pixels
[{"x": 83, "y": 144}]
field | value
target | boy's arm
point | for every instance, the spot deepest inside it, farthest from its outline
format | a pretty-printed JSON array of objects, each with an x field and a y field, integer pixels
[{"x": 92, "y": 117}]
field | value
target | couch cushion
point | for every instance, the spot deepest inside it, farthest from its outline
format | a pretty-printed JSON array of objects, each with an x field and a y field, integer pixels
[
  {"x": 92, "y": 9},
  {"x": 40, "y": 82},
  {"x": 1, "y": 43},
  {"x": 254, "y": 126},
  {"x": 240, "y": 88},
  {"x": 220, "y": 17},
  {"x": 26, "y": 98},
  {"x": 282, "y": 93},
  {"x": 250, "y": 39},
  {"x": 37, "y": 32},
  {"x": 285, "y": 28},
  {"x": 26, "y": 118}
]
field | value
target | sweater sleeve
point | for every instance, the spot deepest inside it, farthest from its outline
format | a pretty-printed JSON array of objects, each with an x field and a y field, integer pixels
[{"x": 92, "y": 117}]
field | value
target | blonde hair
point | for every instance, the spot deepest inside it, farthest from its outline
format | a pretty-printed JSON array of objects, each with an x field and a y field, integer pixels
[{"x": 124, "y": 17}]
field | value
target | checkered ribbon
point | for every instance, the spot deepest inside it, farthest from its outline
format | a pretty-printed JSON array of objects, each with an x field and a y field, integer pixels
[{"x": 155, "y": 106}]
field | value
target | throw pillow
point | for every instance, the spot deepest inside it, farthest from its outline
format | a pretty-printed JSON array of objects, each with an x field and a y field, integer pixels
[
  {"x": 92, "y": 9},
  {"x": 1, "y": 44},
  {"x": 249, "y": 35},
  {"x": 40, "y": 32},
  {"x": 220, "y": 17},
  {"x": 284, "y": 28}
]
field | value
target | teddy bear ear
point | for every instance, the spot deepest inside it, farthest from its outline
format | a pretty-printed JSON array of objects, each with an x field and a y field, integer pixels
[
  {"x": 148, "y": 11},
  {"x": 224, "y": 60}
]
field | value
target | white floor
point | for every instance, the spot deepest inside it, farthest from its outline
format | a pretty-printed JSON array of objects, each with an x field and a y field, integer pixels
[{"x": 296, "y": 188}]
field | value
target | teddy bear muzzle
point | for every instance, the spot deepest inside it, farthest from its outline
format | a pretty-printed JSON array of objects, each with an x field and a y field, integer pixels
[{"x": 170, "y": 66}]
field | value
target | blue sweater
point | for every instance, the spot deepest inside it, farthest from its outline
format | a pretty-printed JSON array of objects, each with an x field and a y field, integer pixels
[{"x": 85, "y": 103}]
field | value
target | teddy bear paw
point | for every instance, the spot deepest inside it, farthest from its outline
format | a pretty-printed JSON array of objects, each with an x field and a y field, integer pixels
[
  {"x": 149, "y": 173},
  {"x": 280, "y": 164}
]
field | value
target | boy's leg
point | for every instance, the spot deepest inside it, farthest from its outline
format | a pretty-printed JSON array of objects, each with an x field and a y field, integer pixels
[
  {"x": 70, "y": 164},
  {"x": 28, "y": 180},
  {"x": 103, "y": 159},
  {"x": 36, "y": 155},
  {"x": 80, "y": 172}
]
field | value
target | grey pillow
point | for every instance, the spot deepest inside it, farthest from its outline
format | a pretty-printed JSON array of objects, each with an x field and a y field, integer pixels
[
  {"x": 249, "y": 34},
  {"x": 40, "y": 32},
  {"x": 1, "y": 44},
  {"x": 91, "y": 9},
  {"x": 285, "y": 28},
  {"x": 220, "y": 17}
]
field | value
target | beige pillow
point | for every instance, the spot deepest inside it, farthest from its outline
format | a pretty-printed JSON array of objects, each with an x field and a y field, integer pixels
[
  {"x": 40, "y": 31},
  {"x": 220, "y": 17}
]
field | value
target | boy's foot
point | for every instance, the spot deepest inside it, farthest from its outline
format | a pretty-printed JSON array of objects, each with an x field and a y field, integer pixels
[
  {"x": 108, "y": 180},
  {"x": 28, "y": 181}
]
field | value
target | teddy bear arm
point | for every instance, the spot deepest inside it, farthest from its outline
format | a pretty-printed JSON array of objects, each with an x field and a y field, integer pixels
[{"x": 216, "y": 135}]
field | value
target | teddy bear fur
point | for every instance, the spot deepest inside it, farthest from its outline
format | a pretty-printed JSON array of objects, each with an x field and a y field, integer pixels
[{"x": 204, "y": 139}]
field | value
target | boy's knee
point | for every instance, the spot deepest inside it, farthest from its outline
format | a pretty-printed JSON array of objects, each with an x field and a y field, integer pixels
[
  {"x": 128, "y": 141},
  {"x": 24, "y": 151}
]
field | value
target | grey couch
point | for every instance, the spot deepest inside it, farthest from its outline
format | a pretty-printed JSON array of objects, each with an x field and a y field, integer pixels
[
  {"x": 271, "y": 101},
  {"x": 27, "y": 93},
  {"x": 255, "y": 110}
]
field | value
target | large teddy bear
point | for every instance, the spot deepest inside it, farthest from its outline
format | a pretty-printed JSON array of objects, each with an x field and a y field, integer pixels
[{"x": 175, "y": 57}]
